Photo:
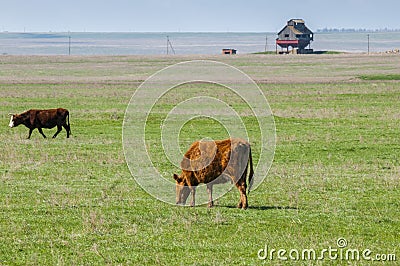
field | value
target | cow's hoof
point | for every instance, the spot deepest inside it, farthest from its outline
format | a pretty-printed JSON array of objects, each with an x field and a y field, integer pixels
[
  {"x": 240, "y": 205},
  {"x": 211, "y": 204}
]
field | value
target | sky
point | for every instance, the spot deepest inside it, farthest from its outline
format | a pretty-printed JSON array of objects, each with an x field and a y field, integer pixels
[{"x": 193, "y": 15}]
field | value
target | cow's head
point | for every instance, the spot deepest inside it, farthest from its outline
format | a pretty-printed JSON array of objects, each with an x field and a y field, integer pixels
[
  {"x": 182, "y": 189},
  {"x": 12, "y": 123},
  {"x": 15, "y": 120}
]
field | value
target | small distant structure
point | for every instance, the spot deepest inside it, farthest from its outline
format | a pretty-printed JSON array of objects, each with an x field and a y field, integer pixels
[
  {"x": 296, "y": 35},
  {"x": 228, "y": 51}
]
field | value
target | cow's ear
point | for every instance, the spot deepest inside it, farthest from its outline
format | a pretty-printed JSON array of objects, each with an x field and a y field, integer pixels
[{"x": 177, "y": 178}]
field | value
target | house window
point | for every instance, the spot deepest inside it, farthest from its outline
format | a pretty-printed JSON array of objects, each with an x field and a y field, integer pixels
[{"x": 286, "y": 35}]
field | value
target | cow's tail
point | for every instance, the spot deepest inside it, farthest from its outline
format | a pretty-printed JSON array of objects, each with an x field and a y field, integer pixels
[
  {"x": 251, "y": 173},
  {"x": 69, "y": 125}
]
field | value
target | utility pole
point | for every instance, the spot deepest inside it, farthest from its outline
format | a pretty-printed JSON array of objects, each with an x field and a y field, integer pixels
[
  {"x": 69, "y": 45},
  {"x": 169, "y": 44},
  {"x": 266, "y": 43},
  {"x": 368, "y": 42}
]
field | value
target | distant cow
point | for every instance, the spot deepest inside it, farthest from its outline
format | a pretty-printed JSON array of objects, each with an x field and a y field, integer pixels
[
  {"x": 213, "y": 162},
  {"x": 43, "y": 119}
]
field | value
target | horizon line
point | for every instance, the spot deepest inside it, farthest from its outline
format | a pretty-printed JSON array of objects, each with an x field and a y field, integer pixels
[{"x": 321, "y": 30}]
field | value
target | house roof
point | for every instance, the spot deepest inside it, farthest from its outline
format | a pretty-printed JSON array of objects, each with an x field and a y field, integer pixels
[
  {"x": 297, "y": 30},
  {"x": 297, "y": 20}
]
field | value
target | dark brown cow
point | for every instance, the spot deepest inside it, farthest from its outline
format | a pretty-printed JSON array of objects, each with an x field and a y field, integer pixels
[
  {"x": 43, "y": 119},
  {"x": 213, "y": 162}
]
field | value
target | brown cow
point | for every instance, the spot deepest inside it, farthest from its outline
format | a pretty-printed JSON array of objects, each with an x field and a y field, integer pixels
[
  {"x": 213, "y": 162},
  {"x": 43, "y": 119}
]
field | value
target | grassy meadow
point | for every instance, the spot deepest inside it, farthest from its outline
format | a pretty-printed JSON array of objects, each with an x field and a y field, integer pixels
[{"x": 74, "y": 202}]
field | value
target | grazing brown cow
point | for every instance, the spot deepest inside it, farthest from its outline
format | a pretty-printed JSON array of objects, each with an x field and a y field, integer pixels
[
  {"x": 43, "y": 119},
  {"x": 213, "y": 162}
]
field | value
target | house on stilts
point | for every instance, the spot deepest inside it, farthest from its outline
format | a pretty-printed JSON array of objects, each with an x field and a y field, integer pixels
[{"x": 295, "y": 35}]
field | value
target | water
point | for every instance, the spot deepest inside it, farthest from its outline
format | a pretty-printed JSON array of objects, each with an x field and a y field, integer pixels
[{"x": 182, "y": 43}]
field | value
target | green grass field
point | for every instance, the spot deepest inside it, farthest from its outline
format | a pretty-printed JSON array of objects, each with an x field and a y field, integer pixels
[{"x": 74, "y": 202}]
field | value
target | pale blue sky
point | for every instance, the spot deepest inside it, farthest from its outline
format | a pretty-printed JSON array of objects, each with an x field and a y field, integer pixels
[{"x": 193, "y": 16}]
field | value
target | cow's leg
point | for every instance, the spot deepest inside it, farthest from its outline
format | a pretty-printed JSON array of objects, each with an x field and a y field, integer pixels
[
  {"x": 41, "y": 132},
  {"x": 210, "y": 199},
  {"x": 193, "y": 190},
  {"x": 30, "y": 133},
  {"x": 242, "y": 190},
  {"x": 68, "y": 129},
  {"x": 59, "y": 128}
]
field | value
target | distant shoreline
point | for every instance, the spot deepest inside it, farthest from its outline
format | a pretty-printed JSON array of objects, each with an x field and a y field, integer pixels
[
  {"x": 350, "y": 30},
  {"x": 184, "y": 43}
]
